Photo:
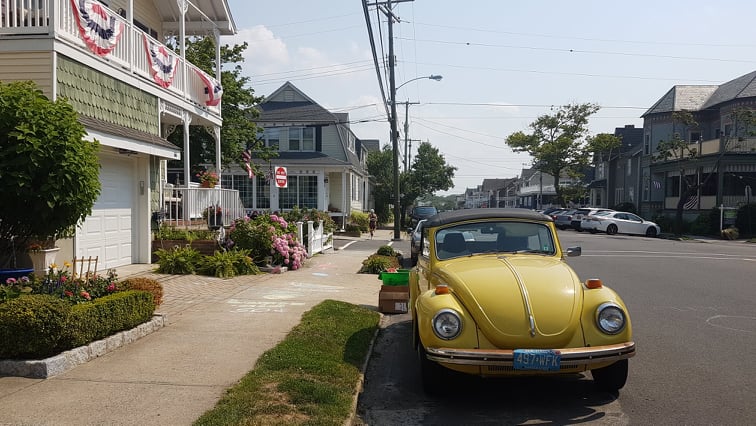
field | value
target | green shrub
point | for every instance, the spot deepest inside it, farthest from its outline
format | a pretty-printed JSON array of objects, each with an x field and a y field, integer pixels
[
  {"x": 706, "y": 223},
  {"x": 108, "y": 315},
  {"x": 168, "y": 232},
  {"x": 625, "y": 207},
  {"x": 351, "y": 227},
  {"x": 386, "y": 251},
  {"x": 178, "y": 260},
  {"x": 377, "y": 263},
  {"x": 144, "y": 284},
  {"x": 303, "y": 215},
  {"x": 746, "y": 219},
  {"x": 220, "y": 264},
  {"x": 360, "y": 219},
  {"x": 243, "y": 263},
  {"x": 34, "y": 326}
]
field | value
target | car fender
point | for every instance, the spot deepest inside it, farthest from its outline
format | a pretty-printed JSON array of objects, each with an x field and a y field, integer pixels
[
  {"x": 592, "y": 299},
  {"x": 427, "y": 305}
]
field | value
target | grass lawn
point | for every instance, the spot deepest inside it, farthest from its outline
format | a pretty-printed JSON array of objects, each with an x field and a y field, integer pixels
[{"x": 309, "y": 378}]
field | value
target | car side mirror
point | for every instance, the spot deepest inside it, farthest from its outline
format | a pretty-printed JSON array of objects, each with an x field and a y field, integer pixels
[{"x": 574, "y": 251}]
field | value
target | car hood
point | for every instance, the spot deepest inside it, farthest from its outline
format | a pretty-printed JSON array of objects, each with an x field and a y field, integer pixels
[{"x": 521, "y": 300}]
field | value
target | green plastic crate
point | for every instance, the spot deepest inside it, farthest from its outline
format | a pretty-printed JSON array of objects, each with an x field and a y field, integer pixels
[{"x": 398, "y": 278}]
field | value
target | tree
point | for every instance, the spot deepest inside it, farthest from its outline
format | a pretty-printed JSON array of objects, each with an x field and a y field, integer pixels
[
  {"x": 380, "y": 165},
  {"x": 238, "y": 107},
  {"x": 556, "y": 142},
  {"x": 49, "y": 174},
  {"x": 688, "y": 157},
  {"x": 429, "y": 173}
]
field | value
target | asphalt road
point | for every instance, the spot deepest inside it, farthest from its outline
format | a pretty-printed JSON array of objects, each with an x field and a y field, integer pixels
[{"x": 693, "y": 310}]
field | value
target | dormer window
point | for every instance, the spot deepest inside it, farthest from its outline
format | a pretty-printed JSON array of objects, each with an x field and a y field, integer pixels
[{"x": 301, "y": 139}]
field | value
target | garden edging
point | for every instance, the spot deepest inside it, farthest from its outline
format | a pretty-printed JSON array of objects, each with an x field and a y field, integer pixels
[{"x": 57, "y": 364}]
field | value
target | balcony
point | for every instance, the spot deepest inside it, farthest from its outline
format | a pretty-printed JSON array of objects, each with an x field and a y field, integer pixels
[
  {"x": 194, "y": 207},
  {"x": 37, "y": 19},
  {"x": 740, "y": 145}
]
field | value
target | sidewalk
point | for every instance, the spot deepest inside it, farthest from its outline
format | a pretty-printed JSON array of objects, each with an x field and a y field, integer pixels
[{"x": 215, "y": 331}]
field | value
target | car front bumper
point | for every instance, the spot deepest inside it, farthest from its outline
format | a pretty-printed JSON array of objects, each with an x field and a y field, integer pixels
[{"x": 571, "y": 357}]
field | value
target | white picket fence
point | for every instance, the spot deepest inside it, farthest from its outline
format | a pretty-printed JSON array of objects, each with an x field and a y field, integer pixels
[{"x": 317, "y": 241}]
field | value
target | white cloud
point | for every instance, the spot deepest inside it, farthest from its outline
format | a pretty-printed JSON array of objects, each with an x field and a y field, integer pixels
[{"x": 265, "y": 53}]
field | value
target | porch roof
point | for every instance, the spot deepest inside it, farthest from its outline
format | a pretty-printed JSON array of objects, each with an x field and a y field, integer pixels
[
  {"x": 304, "y": 158},
  {"x": 197, "y": 14}
]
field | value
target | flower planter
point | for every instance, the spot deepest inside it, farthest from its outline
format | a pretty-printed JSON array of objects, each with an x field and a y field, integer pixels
[
  {"x": 42, "y": 259},
  {"x": 207, "y": 185},
  {"x": 14, "y": 273}
]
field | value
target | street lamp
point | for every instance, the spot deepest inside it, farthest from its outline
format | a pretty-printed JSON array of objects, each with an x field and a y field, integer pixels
[
  {"x": 431, "y": 77},
  {"x": 395, "y": 136}
]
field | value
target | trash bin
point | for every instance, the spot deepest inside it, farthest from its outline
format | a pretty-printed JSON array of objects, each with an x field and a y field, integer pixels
[{"x": 398, "y": 278}]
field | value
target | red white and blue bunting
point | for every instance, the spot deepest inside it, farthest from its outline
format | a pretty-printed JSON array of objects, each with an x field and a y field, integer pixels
[
  {"x": 163, "y": 63},
  {"x": 213, "y": 88},
  {"x": 99, "y": 29},
  {"x": 247, "y": 157}
]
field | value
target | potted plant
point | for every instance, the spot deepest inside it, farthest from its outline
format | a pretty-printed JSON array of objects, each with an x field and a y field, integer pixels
[
  {"x": 207, "y": 179},
  {"x": 49, "y": 174}
]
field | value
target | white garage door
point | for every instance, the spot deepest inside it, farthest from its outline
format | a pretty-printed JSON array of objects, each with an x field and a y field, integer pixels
[{"x": 108, "y": 233}]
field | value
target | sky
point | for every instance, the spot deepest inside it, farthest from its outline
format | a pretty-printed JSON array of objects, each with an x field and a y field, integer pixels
[{"x": 503, "y": 64}]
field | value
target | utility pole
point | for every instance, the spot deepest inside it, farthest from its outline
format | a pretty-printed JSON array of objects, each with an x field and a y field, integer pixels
[
  {"x": 385, "y": 8},
  {"x": 406, "y": 132}
]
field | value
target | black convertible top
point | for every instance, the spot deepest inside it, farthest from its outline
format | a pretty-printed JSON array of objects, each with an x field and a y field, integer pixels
[{"x": 453, "y": 216}]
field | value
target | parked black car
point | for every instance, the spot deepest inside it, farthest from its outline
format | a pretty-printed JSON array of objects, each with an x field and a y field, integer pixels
[{"x": 421, "y": 212}]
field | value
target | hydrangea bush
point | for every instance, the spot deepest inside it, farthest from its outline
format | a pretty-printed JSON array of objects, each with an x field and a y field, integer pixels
[{"x": 268, "y": 236}]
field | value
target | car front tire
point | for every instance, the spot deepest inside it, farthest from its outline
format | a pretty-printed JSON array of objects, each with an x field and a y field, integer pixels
[
  {"x": 611, "y": 229},
  {"x": 611, "y": 378},
  {"x": 651, "y": 232},
  {"x": 593, "y": 231},
  {"x": 432, "y": 375}
]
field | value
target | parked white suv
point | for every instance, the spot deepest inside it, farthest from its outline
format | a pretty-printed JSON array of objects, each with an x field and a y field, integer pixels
[{"x": 580, "y": 213}]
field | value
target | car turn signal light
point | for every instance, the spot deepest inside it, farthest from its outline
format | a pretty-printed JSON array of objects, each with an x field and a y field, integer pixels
[
  {"x": 442, "y": 289},
  {"x": 593, "y": 283}
]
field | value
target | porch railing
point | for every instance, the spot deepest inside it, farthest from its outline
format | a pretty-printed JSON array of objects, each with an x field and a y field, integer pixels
[
  {"x": 196, "y": 207},
  {"x": 26, "y": 17}
]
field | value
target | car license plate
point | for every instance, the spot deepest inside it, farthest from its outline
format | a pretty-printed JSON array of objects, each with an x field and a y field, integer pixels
[{"x": 537, "y": 359}]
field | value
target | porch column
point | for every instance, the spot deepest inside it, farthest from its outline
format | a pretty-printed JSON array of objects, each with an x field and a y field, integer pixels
[
  {"x": 187, "y": 120},
  {"x": 183, "y": 7},
  {"x": 217, "y": 137},
  {"x": 132, "y": 43}
]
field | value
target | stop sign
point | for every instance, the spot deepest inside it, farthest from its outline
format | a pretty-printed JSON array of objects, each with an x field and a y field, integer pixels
[{"x": 281, "y": 180}]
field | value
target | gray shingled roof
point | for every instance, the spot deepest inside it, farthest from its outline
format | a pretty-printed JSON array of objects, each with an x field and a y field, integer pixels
[
  {"x": 678, "y": 98},
  {"x": 128, "y": 133},
  {"x": 742, "y": 87},
  {"x": 301, "y": 112},
  {"x": 696, "y": 98}
]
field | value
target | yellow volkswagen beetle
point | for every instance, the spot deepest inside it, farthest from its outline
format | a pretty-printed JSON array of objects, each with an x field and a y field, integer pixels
[{"x": 491, "y": 295}]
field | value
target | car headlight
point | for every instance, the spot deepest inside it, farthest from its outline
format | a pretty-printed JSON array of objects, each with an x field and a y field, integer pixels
[
  {"x": 610, "y": 318},
  {"x": 447, "y": 324}
]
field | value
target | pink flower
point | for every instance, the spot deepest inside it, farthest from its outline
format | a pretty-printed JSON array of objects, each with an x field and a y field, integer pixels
[
  {"x": 10, "y": 281},
  {"x": 111, "y": 287},
  {"x": 68, "y": 293},
  {"x": 85, "y": 295}
]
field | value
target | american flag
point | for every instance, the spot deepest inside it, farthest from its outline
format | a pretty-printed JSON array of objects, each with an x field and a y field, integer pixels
[{"x": 691, "y": 202}]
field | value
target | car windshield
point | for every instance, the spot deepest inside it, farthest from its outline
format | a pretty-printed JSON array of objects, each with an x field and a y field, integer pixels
[
  {"x": 494, "y": 237},
  {"x": 425, "y": 211},
  {"x": 603, "y": 213}
]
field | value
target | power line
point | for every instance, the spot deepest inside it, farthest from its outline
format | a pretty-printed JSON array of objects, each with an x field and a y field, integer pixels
[
  {"x": 563, "y": 37},
  {"x": 596, "y": 52}
]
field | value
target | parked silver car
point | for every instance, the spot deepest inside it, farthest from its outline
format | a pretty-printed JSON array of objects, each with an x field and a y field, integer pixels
[
  {"x": 563, "y": 220},
  {"x": 619, "y": 223},
  {"x": 415, "y": 241}
]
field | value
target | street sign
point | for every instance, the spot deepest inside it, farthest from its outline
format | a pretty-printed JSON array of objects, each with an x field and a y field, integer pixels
[{"x": 282, "y": 181}]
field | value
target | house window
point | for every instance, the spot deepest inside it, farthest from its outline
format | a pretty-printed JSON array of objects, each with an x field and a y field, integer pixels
[
  {"x": 672, "y": 188},
  {"x": 241, "y": 183},
  {"x": 302, "y": 192},
  {"x": 301, "y": 139},
  {"x": 262, "y": 193},
  {"x": 695, "y": 137},
  {"x": 629, "y": 167},
  {"x": 272, "y": 137},
  {"x": 647, "y": 144}
]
